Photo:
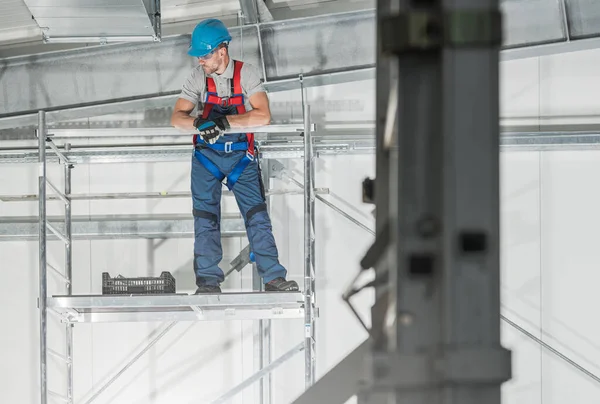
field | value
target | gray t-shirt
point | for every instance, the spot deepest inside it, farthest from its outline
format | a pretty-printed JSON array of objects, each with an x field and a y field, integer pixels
[{"x": 194, "y": 88}]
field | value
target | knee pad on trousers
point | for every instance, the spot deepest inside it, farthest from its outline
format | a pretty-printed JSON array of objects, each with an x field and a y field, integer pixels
[
  {"x": 205, "y": 215},
  {"x": 260, "y": 235},
  {"x": 254, "y": 210},
  {"x": 205, "y": 221},
  {"x": 207, "y": 237}
]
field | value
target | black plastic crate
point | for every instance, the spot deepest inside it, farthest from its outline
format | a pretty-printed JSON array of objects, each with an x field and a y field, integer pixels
[{"x": 120, "y": 285}]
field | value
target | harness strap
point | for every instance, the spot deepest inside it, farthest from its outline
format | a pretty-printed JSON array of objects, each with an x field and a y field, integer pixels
[
  {"x": 208, "y": 106},
  {"x": 236, "y": 99},
  {"x": 214, "y": 99},
  {"x": 241, "y": 108},
  {"x": 238, "y": 170},
  {"x": 210, "y": 166},
  {"x": 233, "y": 176},
  {"x": 211, "y": 88},
  {"x": 226, "y": 147}
]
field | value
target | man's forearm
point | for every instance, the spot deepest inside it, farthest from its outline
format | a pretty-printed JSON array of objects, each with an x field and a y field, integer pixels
[
  {"x": 254, "y": 117},
  {"x": 182, "y": 120}
]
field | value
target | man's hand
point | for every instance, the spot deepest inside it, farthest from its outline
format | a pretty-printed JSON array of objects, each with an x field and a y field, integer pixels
[{"x": 211, "y": 130}]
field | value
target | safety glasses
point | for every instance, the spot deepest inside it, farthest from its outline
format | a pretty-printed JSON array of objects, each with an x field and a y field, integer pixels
[{"x": 210, "y": 55}]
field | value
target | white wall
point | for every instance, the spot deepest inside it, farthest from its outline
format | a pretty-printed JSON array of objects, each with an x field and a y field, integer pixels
[
  {"x": 549, "y": 220},
  {"x": 549, "y": 224},
  {"x": 549, "y": 275},
  {"x": 194, "y": 362}
]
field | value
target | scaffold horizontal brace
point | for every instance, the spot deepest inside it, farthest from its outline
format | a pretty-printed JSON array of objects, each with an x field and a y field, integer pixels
[
  {"x": 117, "y": 227},
  {"x": 168, "y": 131}
]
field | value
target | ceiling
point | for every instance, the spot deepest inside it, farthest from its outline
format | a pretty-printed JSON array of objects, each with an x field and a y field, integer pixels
[
  {"x": 17, "y": 25},
  {"x": 555, "y": 21},
  {"x": 177, "y": 11},
  {"x": 538, "y": 22}
]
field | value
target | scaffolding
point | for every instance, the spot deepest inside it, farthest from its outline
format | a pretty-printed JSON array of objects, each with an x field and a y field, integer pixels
[
  {"x": 259, "y": 306},
  {"x": 171, "y": 308}
]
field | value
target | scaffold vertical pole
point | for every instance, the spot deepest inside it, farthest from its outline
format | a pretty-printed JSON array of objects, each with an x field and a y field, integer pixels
[
  {"x": 309, "y": 323},
  {"x": 42, "y": 130},
  {"x": 69, "y": 275}
]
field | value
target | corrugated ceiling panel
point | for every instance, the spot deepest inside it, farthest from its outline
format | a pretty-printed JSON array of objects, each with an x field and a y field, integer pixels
[
  {"x": 14, "y": 14},
  {"x": 189, "y": 10},
  {"x": 93, "y": 18},
  {"x": 532, "y": 22},
  {"x": 16, "y": 21},
  {"x": 583, "y": 17}
]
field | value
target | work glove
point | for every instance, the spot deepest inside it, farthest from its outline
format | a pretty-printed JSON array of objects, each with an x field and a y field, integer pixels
[{"x": 211, "y": 130}]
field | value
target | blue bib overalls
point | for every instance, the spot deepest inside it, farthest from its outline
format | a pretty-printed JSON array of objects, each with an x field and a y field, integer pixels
[{"x": 249, "y": 194}]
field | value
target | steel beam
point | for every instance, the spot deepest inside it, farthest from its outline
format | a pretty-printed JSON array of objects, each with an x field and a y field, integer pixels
[
  {"x": 439, "y": 235},
  {"x": 441, "y": 159}
]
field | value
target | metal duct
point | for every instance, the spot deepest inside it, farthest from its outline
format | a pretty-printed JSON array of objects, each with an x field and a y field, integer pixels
[
  {"x": 540, "y": 27},
  {"x": 264, "y": 14},
  {"x": 255, "y": 11},
  {"x": 249, "y": 11},
  {"x": 97, "y": 20},
  {"x": 127, "y": 77},
  {"x": 81, "y": 79}
]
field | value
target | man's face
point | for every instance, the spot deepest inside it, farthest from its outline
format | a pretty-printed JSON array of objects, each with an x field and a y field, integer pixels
[{"x": 213, "y": 61}]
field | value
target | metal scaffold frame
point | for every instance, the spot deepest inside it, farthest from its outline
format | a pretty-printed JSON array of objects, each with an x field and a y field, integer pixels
[
  {"x": 73, "y": 310},
  {"x": 449, "y": 239},
  {"x": 261, "y": 306}
]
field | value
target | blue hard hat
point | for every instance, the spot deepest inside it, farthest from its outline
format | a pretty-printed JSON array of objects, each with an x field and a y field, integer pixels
[{"x": 207, "y": 36}]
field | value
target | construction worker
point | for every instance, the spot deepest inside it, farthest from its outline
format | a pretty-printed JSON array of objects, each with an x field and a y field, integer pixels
[{"x": 228, "y": 94}]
